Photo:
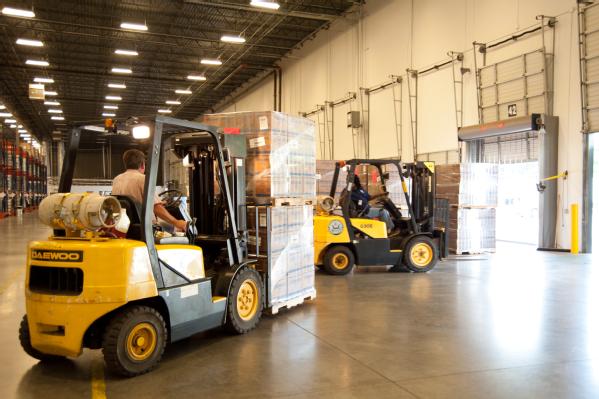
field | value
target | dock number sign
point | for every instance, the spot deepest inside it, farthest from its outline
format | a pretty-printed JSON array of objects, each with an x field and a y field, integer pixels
[{"x": 512, "y": 110}]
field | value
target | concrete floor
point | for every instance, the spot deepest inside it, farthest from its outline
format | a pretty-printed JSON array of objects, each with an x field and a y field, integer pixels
[{"x": 519, "y": 324}]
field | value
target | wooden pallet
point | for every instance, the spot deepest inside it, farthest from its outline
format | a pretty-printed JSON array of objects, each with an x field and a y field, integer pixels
[
  {"x": 291, "y": 303},
  {"x": 289, "y": 201}
]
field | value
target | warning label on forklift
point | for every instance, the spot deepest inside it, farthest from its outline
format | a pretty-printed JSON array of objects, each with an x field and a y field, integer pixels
[{"x": 189, "y": 290}]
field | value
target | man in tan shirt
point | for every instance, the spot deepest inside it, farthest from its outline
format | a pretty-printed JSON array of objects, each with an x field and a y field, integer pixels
[{"x": 131, "y": 183}]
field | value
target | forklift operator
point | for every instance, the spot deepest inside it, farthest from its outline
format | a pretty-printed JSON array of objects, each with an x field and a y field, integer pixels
[
  {"x": 131, "y": 183},
  {"x": 360, "y": 198}
]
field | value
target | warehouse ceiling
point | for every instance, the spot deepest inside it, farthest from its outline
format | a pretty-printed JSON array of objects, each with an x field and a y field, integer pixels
[{"x": 80, "y": 37}]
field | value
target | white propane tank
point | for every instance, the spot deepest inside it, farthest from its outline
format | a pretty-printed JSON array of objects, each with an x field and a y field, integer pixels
[{"x": 85, "y": 211}]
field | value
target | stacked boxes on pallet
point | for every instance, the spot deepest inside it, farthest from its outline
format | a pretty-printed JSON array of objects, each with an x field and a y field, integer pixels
[
  {"x": 280, "y": 164},
  {"x": 325, "y": 170},
  {"x": 471, "y": 190},
  {"x": 281, "y": 154}
]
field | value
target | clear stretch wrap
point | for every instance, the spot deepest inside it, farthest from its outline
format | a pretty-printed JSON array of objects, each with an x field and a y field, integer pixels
[
  {"x": 281, "y": 153},
  {"x": 471, "y": 189},
  {"x": 281, "y": 238}
]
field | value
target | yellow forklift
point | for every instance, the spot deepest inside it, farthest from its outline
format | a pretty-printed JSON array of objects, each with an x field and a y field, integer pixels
[
  {"x": 132, "y": 296},
  {"x": 347, "y": 238}
]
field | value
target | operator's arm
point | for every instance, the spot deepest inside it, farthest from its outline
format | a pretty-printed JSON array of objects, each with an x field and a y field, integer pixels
[{"x": 162, "y": 213}]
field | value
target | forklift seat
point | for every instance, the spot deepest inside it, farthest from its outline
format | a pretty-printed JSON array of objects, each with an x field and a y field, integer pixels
[{"x": 133, "y": 212}]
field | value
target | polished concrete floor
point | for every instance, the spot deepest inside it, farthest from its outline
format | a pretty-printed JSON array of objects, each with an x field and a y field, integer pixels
[{"x": 519, "y": 324}]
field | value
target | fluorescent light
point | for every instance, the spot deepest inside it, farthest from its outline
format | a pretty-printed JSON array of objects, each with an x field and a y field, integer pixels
[
  {"x": 173, "y": 102},
  {"x": 196, "y": 77},
  {"x": 183, "y": 91},
  {"x": 117, "y": 85},
  {"x": 273, "y": 5},
  {"x": 232, "y": 39},
  {"x": 53, "y": 103},
  {"x": 108, "y": 114},
  {"x": 2, "y": 106},
  {"x": 43, "y": 80},
  {"x": 15, "y": 12},
  {"x": 29, "y": 42},
  {"x": 121, "y": 70},
  {"x": 13, "y": 126},
  {"x": 57, "y": 118},
  {"x": 125, "y": 52},
  {"x": 165, "y": 111},
  {"x": 140, "y": 132},
  {"x": 133, "y": 26},
  {"x": 50, "y": 93},
  {"x": 111, "y": 107},
  {"x": 22, "y": 131},
  {"x": 114, "y": 98},
  {"x": 5, "y": 115},
  {"x": 37, "y": 62},
  {"x": 20, "y": 126},
  {"x": 10, "y": 121},
  {"x": 55, "y": 111},
  {"x": 208, "y": 61}
]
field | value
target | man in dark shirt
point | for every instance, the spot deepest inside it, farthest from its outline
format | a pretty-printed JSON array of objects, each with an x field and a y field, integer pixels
[{"x": 360, "y": 198}]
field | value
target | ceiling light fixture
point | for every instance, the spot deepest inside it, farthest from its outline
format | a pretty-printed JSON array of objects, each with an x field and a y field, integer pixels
[
  {"x": 55, "y": 111},
  {"x": 10, "y": 121},
  {"x": 16, "y": 12},
  {"x": 22, "y": 131},
  {"x": 126, "y": 52},
  {"x": 232, "y": 39},
  {"x": 111, "y": 107},
  {"x": 2, "y": 106},
  {"x": 30, "y": 42},
  {"x": 121, "y": 70},
  {"x": 114, "y": 98},
  {"x": 134, "y": 26},
  {"x": 57, "y": 118},
  {"x": 183, "y": 91},
  {"x": 111, "y": 114},
  {"x": 53, "y": 103},
  {"x": 165, "y": 111},
  {"x": 50, "y": 93},
  {"x": 196, "y": 77},
  {"x": 272, "y": 5},
  {"x": 37, "y": 63},
  {"x": 173, "y": 102},
  {"x": 43, "y": 80},
  {"x": 209, "y": 61},
  {"x": 13, "y": 126},
  {"x": 117, "y": 85},
  {"x": 20, "y": 126},
  {"x": 5, "y": 115}
]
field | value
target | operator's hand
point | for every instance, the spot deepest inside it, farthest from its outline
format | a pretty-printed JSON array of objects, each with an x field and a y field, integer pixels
[{"x": 181, "y": 225}]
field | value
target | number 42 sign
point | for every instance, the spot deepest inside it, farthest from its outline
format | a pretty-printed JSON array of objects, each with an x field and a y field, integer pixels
[{"x": 512, "y": 110}]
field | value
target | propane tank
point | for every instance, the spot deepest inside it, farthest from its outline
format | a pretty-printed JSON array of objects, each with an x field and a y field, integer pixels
[
  {"x": 325, "y": 204},
  {"x": 84, "y": 211}
]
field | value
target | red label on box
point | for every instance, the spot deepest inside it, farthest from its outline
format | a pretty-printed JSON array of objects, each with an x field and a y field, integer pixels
[{"x": 232, "y": 130}]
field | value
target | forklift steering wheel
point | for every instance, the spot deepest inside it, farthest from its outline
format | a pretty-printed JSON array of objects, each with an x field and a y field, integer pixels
[{"x": 171, "y": 198}]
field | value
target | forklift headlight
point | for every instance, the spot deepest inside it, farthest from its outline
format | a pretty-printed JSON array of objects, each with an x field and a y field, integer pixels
[{"x": 140, "y": 132}]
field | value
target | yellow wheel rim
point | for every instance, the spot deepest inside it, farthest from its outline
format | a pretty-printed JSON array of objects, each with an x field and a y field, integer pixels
[
  {"x": 340, "y": 261},
  {"x": 247, "y": 300},
  {"x": 421, "y": 254},
  {"x": 141, "y": 341}
]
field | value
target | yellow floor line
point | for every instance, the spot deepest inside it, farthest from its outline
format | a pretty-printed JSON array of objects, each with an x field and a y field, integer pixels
[{"x": 98, "y": 383}]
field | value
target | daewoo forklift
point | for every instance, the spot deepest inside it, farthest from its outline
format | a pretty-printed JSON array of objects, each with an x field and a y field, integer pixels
[
  {"x": 348, "y": 238},
  {"x": 131, "y": 296}
]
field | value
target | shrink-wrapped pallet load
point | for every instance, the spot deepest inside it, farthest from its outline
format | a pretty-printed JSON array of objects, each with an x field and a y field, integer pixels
[
  {"x": 281, "y": 153},
  {"x": 471, "y": 190}
]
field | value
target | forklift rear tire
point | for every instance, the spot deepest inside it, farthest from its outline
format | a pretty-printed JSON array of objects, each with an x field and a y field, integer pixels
[
  {"x": 338, "y": 260},
  {"x": 245, "y": 301},
  {"x": 25, "y": 339},
  {"x": 134, "y": 341},
  {"x": 420, "y": 255}
]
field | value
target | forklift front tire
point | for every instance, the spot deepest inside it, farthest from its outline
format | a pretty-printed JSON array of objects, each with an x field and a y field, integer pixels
[
  {"x": 245, "y": 301},
  {"x": 134, "y": 341},
  {"x": 420, "y": 255},
  {"x": 339, "y": 260},
  {"x": 25, "y": 339}
]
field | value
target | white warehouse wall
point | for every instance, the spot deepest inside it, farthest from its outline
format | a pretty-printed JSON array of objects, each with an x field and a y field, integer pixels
[{"x": 392, "y": 35}]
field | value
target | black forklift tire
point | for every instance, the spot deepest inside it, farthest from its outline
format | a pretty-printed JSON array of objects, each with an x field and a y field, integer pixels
[
  {"x": 420, "y": 254},
  {"x": 25, "y": 340},
  {"x": 134, "y": 341},
  {"x": 245, "y": 301},
  {"x": 338, "y": 260}
]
